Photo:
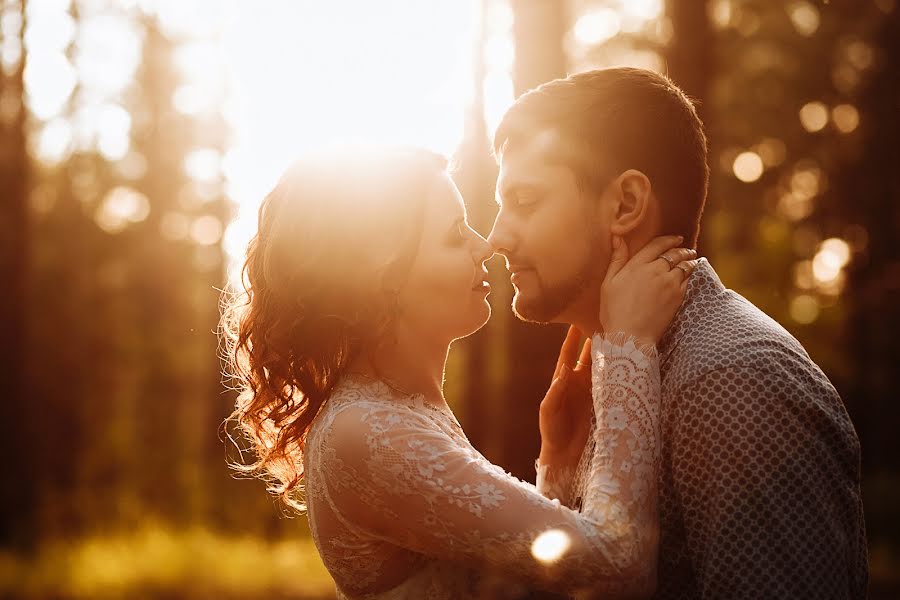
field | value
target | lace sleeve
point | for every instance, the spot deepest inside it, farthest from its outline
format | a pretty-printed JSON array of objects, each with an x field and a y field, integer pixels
[{"x": 394, "y": 474}]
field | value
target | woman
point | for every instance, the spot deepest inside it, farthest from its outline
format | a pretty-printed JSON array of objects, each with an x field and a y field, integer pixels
[{"x": 362, "y": 273}]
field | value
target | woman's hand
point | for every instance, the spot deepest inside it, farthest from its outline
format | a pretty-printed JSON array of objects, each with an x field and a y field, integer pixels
[
  {"x": 566, "y": 410},
  {"x": 640, "y": 296}
]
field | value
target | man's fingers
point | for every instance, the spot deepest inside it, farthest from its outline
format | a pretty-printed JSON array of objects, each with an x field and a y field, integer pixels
[
  {"x": 657, "y": 246},
  {"x": 568, "y": 349}
]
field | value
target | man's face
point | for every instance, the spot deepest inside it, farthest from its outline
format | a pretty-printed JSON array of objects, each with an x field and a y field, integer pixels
[{"x": 552, "y": 233}]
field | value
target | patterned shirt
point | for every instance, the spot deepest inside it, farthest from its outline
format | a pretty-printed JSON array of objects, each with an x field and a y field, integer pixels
[{"x": 759, "y": 484}]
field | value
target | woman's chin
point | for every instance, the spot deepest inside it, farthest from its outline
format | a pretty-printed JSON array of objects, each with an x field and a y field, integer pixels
[{"x": 479, "y": 318}]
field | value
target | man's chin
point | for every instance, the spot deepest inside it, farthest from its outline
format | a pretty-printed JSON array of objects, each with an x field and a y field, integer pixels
[{"x": 532, "y": 310}]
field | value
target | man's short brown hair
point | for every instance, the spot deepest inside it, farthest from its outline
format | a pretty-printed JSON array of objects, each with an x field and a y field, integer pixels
[{"x": 612, "y": 120}]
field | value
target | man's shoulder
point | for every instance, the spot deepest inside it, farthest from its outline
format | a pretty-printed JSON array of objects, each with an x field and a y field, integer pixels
[{"x": 730, "y": 334}]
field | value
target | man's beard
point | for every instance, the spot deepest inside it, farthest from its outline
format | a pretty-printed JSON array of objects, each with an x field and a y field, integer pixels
[{"x": 549, "y": 302}]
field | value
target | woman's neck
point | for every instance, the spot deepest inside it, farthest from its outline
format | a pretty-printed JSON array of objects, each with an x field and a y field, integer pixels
[{"x": 410, "y": 365}]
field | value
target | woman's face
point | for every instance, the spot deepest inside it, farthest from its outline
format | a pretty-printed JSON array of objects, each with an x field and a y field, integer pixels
[{"x": 445, "y": 294}]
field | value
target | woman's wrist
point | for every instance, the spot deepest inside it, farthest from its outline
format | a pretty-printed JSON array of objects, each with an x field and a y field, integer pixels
[{"x": 641, "y": 339}]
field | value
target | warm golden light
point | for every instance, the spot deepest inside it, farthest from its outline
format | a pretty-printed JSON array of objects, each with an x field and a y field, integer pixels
[
  {"x": 804, "y": 309},
  {"x": 206, "y": 231},
  {"x": 597, "y": 26},
  {"x": 121, "y": 207},
  {"x": 828, "y": 264},
  {"x": 720, "y": 13},
  {"x": 203, "y": 164},
  {"x": 794, "y": 207},
  {"x": 838, "y": 247},
  {"x": 772, "y": 151},
  {"x": 804, "y": 16},
  {"x": 643, "y": 9},
  {"x": 814, "y": 116},
  {"x": 845, "y": 117},
  {"x": 49, "y": 81},
  {"x": 304, "y": 75},
  {"x": 807, "y": 180},
  {"x": 175, "y": 226},
  {"x": 53, "y": 143},
  {"x": 860, "y": 55},
  {"x": 550, "y": 546},
  {"x": 748, "y": 167},
  {"x": 803, "y": 275}
]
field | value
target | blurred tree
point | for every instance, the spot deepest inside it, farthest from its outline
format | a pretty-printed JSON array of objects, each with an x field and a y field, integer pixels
[
  {"x": 869, "y": 184},
  {"x": 472, "y": 373},
  {"x": 16, "y": 500},
  {"x": 539, "y": 29}
]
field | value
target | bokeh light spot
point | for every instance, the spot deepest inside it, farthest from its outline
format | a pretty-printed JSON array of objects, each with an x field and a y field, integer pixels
[
  {"x": 748, "y": 167},
  {"x": 804, "y": 309},
  {"x": 805, "y": 17},
  {"x": 121, "y": 207},
  {"x": 206, "y": 230},
  {"x": 845, "y": 117},
  {"x": 550, "y": 546},
  {"x": 814, "y": 116},
  {"x": 597, "y": 26}
]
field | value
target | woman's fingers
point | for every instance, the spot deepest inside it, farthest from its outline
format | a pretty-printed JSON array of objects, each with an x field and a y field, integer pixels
[
  {"x": 568, "y": 350},
  {"x": 682, "y": 272},
  {"x": 584, "y": 361},
  {"x": 657, "y": 246},
  {"x": 672, "y": 258}
]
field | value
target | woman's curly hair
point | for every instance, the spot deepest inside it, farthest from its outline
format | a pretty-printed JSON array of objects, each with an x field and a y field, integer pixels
[{"x": 335, "y": 240}]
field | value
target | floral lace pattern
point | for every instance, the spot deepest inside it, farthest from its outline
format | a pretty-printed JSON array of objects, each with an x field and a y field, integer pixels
[{"x": 402, "y": 506}]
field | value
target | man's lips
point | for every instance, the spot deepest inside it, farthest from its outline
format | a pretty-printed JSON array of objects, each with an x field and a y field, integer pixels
[
  {"x": 516, "y": 273},
  {"x": 482, "y": 282}
]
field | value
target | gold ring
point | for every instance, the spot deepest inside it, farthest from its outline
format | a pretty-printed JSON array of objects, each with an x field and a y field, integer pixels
[
  {"x": 683, "y": 268},
  {"x": 668, "y": 260}
]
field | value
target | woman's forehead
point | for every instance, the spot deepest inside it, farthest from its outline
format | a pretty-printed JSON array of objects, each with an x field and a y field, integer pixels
[{"x": 445, "y": 203}]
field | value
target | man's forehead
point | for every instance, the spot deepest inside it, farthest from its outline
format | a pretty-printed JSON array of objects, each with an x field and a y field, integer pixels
[
  {"x": 525, "y": 160},
  {"x": 543, "y": 145}
]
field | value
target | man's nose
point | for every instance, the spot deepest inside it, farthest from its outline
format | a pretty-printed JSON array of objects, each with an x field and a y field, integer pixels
[
  {"x": 500, "y": 238},
  {"x": 483, "y": 250}
]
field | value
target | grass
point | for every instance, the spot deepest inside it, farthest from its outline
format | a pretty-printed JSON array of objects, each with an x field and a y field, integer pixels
[{"x": 160, "y": 562}]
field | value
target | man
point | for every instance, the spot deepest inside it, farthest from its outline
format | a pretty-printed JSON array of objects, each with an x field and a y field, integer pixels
[{"x": 759, "y": 478}]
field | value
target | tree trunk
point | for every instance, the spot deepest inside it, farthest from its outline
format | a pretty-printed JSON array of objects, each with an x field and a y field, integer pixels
[
  {"x": 17, "y": 496},
  {"x": 539, "y": 27}
]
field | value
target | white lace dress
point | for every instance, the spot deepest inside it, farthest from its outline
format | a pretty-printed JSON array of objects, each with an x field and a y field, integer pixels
[{"x": 401, "y": 505}]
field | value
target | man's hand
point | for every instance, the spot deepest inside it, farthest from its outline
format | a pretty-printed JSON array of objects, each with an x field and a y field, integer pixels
[{"x": 567, "y": 408}]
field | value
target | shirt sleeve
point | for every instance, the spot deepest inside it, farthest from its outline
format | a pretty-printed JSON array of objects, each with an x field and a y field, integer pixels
[
  {"x": 397, "y": 476},
  {"x": 765, "y": 475}
]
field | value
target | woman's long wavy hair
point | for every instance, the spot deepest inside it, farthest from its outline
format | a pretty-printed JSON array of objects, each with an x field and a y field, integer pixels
[{"x": 336, "y": 238}]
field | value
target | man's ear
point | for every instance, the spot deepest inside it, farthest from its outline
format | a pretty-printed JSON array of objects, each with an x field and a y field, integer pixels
[{"x": 631, "y": 202}]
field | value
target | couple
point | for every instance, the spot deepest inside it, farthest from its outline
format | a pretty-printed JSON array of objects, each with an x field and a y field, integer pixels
[{"x": 693, "y": 449}]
